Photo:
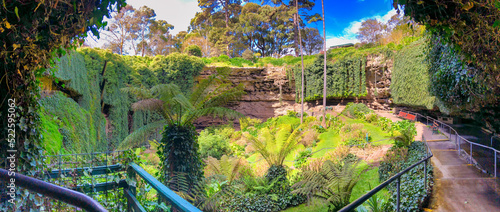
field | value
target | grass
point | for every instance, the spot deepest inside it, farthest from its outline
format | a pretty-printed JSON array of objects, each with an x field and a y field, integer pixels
[
  {"x": 376, "y": 133},
  {"x": 316, "y": 206},
  {"x": 328, "y": 139}
]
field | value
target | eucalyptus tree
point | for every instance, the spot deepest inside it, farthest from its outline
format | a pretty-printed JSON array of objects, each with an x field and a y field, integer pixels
[
  {"x": 121, "y": 30},
  {"x": 161, "y": 42},
  {"x": 143, "y": 18},
  {"x": 324, "y": 64}
]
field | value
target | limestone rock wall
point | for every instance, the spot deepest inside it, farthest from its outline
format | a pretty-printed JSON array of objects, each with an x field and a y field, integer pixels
[{"x": 263, "y": 89}]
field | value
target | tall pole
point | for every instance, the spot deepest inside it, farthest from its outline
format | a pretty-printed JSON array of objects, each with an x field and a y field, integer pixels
[
  {"x": 324, "y": 68},
  {"x": 302, "y": 61}
]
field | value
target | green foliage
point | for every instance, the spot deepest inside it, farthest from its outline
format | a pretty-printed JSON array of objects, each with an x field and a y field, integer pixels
[
  {"x": 193, "y": 50},
  {"x": 230, "y": 168},
  {"x": 207, "y": 99},
  {"x": 246, "y": 122},
  {"x": 179, "y": 69},
  {"x": 470, "y": 26},
  {"x": 178, "y": 152},
  {"x": 75, "y": 124},
  {"x": 455, "y": 83},
  {"x": 410, "y": 84},
  {"x": 405, "y": 125},
  {"x": 301, "y": 158},
  {"x": 356, "y": 110},
  {"x": 248, "y": 55},
  {"x": 332, "y": 183},
  {"x": 345, "y": 78},
  {"x": 214, "y": 142},
  {"x": 384, "y": 123},
  {"x": 52, "y": 138},
  {"x": 275, "y": 143},
  {"x": 354, "y": 134},
  {"x": 238, "y": 62},
  {"x": 412, "y": 186}
]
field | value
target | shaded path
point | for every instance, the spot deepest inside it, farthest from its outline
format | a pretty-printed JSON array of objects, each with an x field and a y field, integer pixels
[{"x": 458, "y": 186}]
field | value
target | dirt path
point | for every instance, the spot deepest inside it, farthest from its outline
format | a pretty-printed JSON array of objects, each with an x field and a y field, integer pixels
[{"x": 458, "y": 186}]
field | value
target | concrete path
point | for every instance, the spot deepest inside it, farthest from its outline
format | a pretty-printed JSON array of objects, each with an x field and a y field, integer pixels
[{"x": 458, "y": 186}]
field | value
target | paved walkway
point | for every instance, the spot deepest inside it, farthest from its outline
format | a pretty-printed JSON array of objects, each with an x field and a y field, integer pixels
[{"x": 457, "y": 185}]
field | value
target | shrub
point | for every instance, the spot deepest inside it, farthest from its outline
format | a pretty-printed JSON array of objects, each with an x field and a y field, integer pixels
[
  {"x": 301, "y": 158},
  {"x": 371, "y": 118},
  {"x": 193, "y": 50},
  {"x": 246, "y": 122},
  {"x": 353, "y": 134},
  {"x": 332, "y": 183},
  {"x": 248, "y": 55},
  {"x": 213, "y": 144},
  {"x": 412, "y": 186},
  {"x": 403, "y": 126},
  {"x": 310, "y": 137},
  {"x": 292, "y": 113},
  {"x": 356, "y": 110},
  {"x": 384, "y": 123}
]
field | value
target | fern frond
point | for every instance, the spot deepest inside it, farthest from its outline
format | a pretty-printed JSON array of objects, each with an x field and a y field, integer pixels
[
  {"x": 224, "y": 97},
  {"x": 165, "y": 92},
  {"x": 140, "y": 135},
  {"x": 219, "y": 112},
  {"x": 140, "y": 93},
  {"x": 201, "y": 90},
  {"x": 148, "y": 105}
]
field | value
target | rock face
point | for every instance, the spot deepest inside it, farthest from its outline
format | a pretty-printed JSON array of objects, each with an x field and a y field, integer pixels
[
  {"x": 378, "y": 81},
  {"x": 263, "y": 90},
  {"x": 262, "y": 86}
]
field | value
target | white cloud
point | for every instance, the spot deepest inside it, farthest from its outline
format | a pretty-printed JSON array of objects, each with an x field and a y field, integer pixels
[
  {"x": 349, "y": 33},
  {"x": 175, "y": 12}
]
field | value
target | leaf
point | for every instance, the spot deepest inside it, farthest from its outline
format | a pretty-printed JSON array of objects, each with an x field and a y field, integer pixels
[
  {"x": 7, "y": 24},
  {"x": 496, "y": 24},
  {"x": 17, "y": 13}
]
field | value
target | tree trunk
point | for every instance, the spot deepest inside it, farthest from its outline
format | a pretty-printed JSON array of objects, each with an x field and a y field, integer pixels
[
  {"x": 302, "y": 61},
  {"x": 324, "y": 68}
]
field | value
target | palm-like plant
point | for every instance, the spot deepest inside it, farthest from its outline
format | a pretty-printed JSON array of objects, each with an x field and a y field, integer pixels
[
  {"x": 180, "y": 109},
  {"x": 231, "y": 168},
  {"x": 275, "y": 144},
  {"x": 333, "y": 183}
]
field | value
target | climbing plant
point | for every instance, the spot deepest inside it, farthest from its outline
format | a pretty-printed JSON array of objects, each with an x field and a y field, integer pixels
[
  {"x": 345, "y": 78},
  {"x": 32, "y": 33},
  {"x": 410, "y": 84},
  {"x": 472, "y": 29}
]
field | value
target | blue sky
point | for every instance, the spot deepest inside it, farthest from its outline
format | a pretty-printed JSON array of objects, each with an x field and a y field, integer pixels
[{"x": 343, "y": 17}]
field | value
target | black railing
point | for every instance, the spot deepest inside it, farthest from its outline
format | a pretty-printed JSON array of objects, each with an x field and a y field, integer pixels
[
  {"x": 397, "y": 178},
  {"x": 69, "y": 196}
]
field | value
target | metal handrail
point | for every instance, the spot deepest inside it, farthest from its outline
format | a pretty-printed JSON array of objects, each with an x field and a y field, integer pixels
[
  {"x": 71, "y": 197},
  {"x": 352, "y": 206},
  {"x": 176, "y": 201},
  {"x": 459, "y": 138}
]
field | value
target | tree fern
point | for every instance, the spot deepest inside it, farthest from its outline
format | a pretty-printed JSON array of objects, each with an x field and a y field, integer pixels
[
  {"x": 231, "y": 168},
  {"x": 207, "y": 99},
  {"x": 275, "y": 144},
  {"x": 333, "y": 183}
]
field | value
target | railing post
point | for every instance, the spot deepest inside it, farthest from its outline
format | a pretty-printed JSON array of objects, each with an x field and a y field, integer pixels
[
  {"x": 425, "y": 176},
  {"x": 470, "y": 153},
  {"x": 495, "y": 164},
  {"x": 398, "y": 183},
  {"x": 132, "y": 186},
  {"x": 459, "y": 143}
]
